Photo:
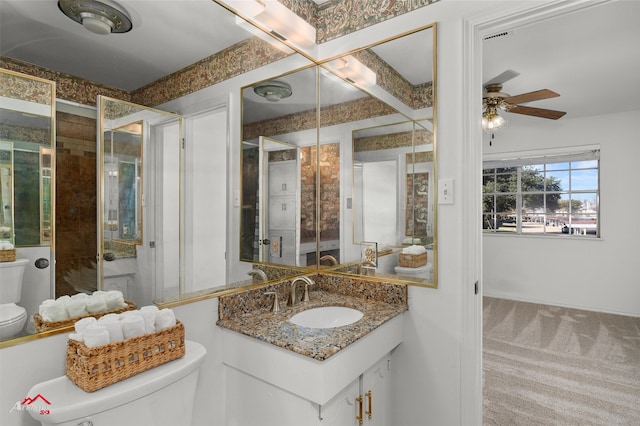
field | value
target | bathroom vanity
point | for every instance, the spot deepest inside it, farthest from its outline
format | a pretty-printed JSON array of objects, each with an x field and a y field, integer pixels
[{"x": 291, "y": 374}]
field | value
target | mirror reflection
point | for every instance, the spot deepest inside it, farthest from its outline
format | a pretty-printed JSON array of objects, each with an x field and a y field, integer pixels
[
  {"x": 140, "y": 247},
  {"x": 26, "y": 193},
  {"x": 373, "y": 113},
  {"x": 393, "y": 205}
]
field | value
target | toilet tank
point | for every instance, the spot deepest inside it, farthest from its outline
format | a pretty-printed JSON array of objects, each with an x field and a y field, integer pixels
[
  {"x": 11, "y": 274},
  {"x": 161, "y": 396}
]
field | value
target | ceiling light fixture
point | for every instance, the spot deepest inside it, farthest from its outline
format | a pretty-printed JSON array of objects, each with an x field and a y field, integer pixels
[
  {"x": 273, "y": 91},
  {"x": 95, "y": 16},
  {"x": 491, "y": 120},
  {"x": 354, "y": 71},
  {"x": 281, "y": 22}
]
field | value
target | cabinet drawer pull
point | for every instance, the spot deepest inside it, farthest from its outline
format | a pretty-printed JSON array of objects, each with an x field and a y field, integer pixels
[
  {"x": 359, "y": 417},
  {"x": 369, "y": 412}
]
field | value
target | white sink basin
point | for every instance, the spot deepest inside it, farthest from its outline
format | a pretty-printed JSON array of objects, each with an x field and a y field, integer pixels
[{"x": 326, "y": 317}]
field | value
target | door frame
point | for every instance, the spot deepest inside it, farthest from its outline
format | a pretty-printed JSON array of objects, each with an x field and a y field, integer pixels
[{"x": 475, "y": 28}]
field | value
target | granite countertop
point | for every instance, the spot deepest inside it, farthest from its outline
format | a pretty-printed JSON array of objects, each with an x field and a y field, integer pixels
[{"x": 319, "y": 344}]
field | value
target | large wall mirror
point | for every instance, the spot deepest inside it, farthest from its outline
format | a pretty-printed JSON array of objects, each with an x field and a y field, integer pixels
[
  {"x": 362, "y": 128},
  {"x": 299, "y": 151}
]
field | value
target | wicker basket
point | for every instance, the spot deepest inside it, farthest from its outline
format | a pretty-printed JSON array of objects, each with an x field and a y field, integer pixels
[
  {"x": 42, "y": 325},
  {"x": 94, "y": 368},
  {"x": 412, "y": 260},
  {"x": 8, "y": 255}
]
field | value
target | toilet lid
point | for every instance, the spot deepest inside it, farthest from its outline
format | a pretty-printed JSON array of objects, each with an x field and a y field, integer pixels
[
  {"x": 10, "y": 312},
  {"x": 424, "y": 268}
]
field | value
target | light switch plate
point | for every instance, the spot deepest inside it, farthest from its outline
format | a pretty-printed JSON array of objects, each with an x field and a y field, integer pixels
[{"x": 445, "y": 191}]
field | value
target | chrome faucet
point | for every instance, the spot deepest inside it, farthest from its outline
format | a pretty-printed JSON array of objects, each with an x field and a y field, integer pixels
[
  {"x": 293, "y": 301},
  {"x": 258, "y": 273}
]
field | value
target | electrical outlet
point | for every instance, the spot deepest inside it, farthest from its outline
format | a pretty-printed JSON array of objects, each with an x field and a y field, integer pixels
[{"x": 445, "y": 191}]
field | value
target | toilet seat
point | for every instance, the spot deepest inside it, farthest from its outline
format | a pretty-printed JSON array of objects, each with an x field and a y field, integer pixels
[
  {"x": 12, "y": 320},
  {"x": 11, "y": 313}
]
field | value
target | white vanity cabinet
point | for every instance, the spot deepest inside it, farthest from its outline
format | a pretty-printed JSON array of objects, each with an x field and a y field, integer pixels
[
  {"x": 364, "y": 402},
  {"x": 253, "y": 402}
]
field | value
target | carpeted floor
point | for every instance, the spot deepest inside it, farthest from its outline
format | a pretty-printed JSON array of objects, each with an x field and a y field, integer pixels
[{"x": 546, "y": 365}]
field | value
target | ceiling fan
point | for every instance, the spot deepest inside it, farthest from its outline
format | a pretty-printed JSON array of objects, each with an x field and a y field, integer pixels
[{"x": 494, "y": 99}]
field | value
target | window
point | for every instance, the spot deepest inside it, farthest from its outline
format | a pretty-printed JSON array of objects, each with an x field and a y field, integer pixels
[{"x": 551, "y": 195}]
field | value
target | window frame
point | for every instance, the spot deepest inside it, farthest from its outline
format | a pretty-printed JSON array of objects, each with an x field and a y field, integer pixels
[{"x": 492, "y": 168}]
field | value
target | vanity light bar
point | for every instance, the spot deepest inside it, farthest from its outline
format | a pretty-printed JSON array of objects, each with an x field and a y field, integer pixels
[{"x": 278, "y": 19}]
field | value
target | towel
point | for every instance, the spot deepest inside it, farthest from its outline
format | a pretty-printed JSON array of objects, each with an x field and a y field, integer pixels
[
  {"x": 115, "y": 300},
  {"x": 96, "y": 304},
  {"x": 77, "y": 337},
  {"x": 64, "y": 299},
  {"x": 76, "y": 308},
  {"x": 149, "y": 315},
  {"x": 53, "y": 311},
  {"x": 414, "y": 250},
  {"x": 132, "y": 326},
  {"x": 113, "y": 324},
  {"x": 165, "y": 318},
  {"x": 95, "y": 335},
  {"x": 79, "y": 296},
  {"x": 83, "y": 323}
]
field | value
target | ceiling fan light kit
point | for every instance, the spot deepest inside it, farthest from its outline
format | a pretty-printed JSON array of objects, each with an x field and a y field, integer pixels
[
  {"x": 495, "y": 99},
  {"x": 95, "y": 16}
]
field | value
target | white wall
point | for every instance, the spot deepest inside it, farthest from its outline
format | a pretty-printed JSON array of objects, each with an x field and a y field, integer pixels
[{"x": 595, "y": 274}]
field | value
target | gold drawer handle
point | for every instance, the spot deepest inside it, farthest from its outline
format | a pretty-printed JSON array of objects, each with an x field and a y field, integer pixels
[{"x": 359, "y": 417}]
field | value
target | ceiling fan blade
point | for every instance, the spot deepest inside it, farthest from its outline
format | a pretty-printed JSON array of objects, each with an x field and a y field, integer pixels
[
  {"x": 532, "y": 96},
  {"x": 502, "y": 78},
  {"x": 537, "y": 112}
]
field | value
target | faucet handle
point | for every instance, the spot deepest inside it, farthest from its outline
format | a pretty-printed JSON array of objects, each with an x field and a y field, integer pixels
[
  {"x": 276, "y": 303},
  {"x": 306, "y": 291}
]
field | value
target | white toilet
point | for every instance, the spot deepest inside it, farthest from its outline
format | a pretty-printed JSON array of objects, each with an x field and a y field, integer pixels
[
  {"x": 424, "y": 271},
  {"x": 12, "y": 316},
  {"x": 160, "y": 396}
]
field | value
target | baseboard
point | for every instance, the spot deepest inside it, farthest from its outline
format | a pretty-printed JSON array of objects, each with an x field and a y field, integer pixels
[{"x": 499, "y": 295}]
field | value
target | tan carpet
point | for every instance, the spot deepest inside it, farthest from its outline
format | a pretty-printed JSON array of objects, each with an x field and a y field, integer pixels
[{"x": 546, "y": 365}]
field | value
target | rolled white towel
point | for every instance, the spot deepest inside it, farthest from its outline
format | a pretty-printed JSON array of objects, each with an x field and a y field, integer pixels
[
  {"x": 115, "y": 300},
  {"x": 114, "y": 327},
  {"x": 76, "y": 308},
  {"x": 132, "y": 326},
  {"x": 96, "y": 335},
  {"x": 77, "y": 337},
  {"x": 110, "y": 317},
  {"x": 99, "y": 294},
  {"x": 96, "y": 304},
  {"x": 52, "y": 311},
  {"x": 165, "y": 318},
  {"x": 64, "y": 299},
  {"x": 79, "y": 296},
  {"x": 83, "y": 323},
  {"x": 149, "y": 315}
]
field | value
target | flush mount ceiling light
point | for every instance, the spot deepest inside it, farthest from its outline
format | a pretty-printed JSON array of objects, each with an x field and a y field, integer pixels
[
  {"x": 273, "y": 91},
  {"x": 95, "y": 16}
]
